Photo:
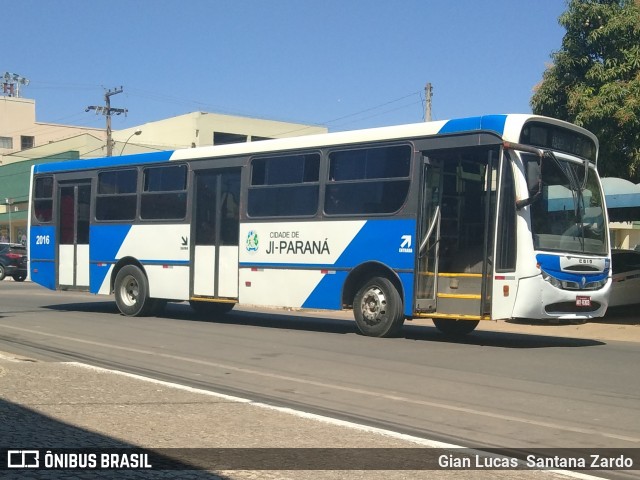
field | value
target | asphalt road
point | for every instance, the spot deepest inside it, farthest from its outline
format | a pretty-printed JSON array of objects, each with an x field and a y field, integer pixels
[{"x": 509, "y": 390}]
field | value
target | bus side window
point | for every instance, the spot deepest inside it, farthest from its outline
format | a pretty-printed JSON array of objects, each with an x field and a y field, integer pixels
[
  {"x": 368, "y": 180},
  {"x": 43, "y": 199},
  {"x": 284, "y": 186},
  {"x": 117, "y": 197},
  {"x": 164, "y": 194}
]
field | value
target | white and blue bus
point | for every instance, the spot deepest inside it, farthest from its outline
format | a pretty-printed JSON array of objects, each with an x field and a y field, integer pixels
[{"x": 482, "y": 218}]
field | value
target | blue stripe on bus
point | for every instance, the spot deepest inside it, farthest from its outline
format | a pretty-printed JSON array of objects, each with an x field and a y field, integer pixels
[
  {"x": 106, "y": 240},
  {"x": 43, "y": 272},
  {"x": 288, "y": 266},
  {"x": 551, "y": 264},
  {"x": 105, "y": 162},
  {"x": 42, "y": 255},
  {"x": 394, "y": 245},
  {"x": 176, "y": 263},
  {"x": 326, "y": 295},
  {"x": 407, "y": 280},
  {"x": 486, "y": 122},
  {"x": 42, "y": 242},
  {"x": 393, "y": 242}
]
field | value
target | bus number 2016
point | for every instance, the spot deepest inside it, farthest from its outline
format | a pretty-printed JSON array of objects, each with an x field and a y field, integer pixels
[{"x": 43, "y": 239}]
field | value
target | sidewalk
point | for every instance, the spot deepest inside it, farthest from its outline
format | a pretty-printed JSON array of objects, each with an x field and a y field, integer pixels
[{"x": 49, "y": 405}]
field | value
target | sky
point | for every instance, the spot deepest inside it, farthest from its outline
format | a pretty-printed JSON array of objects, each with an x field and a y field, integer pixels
[{"x": 342, "y": 64}]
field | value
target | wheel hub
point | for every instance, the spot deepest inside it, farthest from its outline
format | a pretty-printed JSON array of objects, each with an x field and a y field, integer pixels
[
  {"x": 374, "y": 304},
  {"x": 130, "y": 291}
]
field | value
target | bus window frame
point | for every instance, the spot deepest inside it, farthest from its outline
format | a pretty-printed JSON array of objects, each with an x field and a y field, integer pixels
[
  {"x": 327, "y": 182},
  {"x": 182, "y": 194},
  {"x": 50, "y": 199},
  {"x": 97, "y": 196},
  {"x": 266, "y": 186}
]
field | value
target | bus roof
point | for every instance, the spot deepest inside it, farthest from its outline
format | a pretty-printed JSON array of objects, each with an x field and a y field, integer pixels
[{"x": 504, "y": 125}]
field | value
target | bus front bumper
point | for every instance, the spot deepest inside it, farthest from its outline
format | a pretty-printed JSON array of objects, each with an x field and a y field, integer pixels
[{"x": 538, "y": 299}]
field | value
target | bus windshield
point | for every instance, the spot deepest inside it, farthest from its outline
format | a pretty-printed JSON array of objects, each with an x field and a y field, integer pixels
[{"x": 569, "y": 215}]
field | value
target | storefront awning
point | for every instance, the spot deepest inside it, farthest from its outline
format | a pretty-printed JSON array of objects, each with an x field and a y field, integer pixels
[{"x": 623, "y": 199}]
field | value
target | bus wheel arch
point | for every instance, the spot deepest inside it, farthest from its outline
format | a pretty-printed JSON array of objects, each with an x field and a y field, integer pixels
[
  {"x": 375, "y": 293},
  {"x": 130, "y": 285}
]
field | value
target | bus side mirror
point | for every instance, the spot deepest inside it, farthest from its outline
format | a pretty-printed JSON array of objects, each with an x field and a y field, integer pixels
[{"x": 533, "y": 174}]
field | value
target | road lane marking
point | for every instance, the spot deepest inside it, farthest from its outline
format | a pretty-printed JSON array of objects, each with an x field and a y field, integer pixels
[{"x": 360, "y": 391}]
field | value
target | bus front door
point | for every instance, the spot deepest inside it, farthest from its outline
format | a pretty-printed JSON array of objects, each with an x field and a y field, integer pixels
[
  {"x": 73, "y": 235},
  {"x": 215, "y": 233},
  {"x": 455, "y": 245},
  {"x": 429, "y": 242}
]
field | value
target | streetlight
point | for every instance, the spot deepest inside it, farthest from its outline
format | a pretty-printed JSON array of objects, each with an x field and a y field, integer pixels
[
  {"x": 137, "y": 132},
  {"x": 9, "y": 202}
]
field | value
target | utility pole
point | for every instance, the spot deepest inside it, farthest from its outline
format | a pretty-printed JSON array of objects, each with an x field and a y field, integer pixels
[
  {"x": 9, "y": 203},
  {"x": 428, "y": 93},
  {"x": 107, "y": 111}
]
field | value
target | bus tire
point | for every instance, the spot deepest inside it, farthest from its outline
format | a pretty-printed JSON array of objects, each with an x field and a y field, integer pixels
[
  {"x": 132, "y": 292},
  {"x": 455, "y": 328},
  {"x": 377, "y": 308}
]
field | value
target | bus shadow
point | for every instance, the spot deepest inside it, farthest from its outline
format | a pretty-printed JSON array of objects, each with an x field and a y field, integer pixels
[
  {"x": 274, "y": 319},
  {"x": 627, "y": 315},
  {"x": 183, "y": 312},
  {"x": 411, "y": 332},
  {"x": 485, "y": 338},
  {"x": 323, "y": 324}
]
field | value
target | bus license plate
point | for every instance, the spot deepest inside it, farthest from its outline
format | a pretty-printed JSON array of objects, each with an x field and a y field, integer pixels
[{"x": 583, "y": 301}]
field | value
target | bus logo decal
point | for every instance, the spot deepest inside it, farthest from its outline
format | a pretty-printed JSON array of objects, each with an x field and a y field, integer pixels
[
  {"x": 405, "y": 246},
  {"x": 252, "y": 241}
]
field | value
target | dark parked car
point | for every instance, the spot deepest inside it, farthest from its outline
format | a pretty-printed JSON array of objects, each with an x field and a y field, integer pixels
[
  {"x": 625, "y": 289},
  {"x": 13, "y": 261}
]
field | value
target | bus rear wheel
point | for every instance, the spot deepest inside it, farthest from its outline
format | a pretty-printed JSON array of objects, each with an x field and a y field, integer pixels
[
  {"x": 377, "y": 308},
  {"x": 132, "y": 292},
  {"x": 456, "y": 328}
]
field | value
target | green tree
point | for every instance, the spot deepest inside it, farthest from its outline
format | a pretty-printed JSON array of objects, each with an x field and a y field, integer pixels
[{"x": 594, "y": 80}]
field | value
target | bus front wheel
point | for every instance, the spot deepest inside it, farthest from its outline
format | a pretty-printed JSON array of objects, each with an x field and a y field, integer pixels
[
  {"x": 377, "y": 308},
  {"x": 132, "y": 292},
  {"x": 455, "y": 328}
]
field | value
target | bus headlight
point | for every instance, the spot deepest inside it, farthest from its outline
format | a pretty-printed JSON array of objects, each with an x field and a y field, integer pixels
[
  {"x": 597, "y": 285},
  {"x": 568, "y": 285},
  {"x": 552, "y": 280}
]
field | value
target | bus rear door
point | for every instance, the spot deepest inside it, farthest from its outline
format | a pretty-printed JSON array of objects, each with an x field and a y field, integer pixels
[
  {"x": 215, "y": 232},
  {"x": 73, "y": 235}
]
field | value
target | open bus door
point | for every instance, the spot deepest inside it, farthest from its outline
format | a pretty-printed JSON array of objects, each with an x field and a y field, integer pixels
[{"x": 454, "y": 268}]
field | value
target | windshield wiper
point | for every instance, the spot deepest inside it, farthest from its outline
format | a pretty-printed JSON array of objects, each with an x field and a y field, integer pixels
[{"x": 576, "y": 191}]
